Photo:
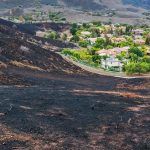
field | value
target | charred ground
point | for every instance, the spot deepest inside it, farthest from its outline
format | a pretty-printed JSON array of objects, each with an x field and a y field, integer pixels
[{"x": 47, "y": 103}]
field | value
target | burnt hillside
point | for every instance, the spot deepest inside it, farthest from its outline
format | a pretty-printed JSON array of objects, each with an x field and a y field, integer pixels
[
  {"x": 23, "y": 51},
  {"x": 47, "y": 103},
  {"x": 28, "y": 31},
  {"x": 15, "y": 47}
]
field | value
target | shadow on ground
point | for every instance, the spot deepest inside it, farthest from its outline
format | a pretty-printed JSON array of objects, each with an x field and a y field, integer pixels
[{"x": 75, "y": 115}]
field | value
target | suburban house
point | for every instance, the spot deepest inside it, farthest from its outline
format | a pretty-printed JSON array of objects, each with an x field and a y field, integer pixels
[
  {"x": 111, "y": 63},
  {"x": 40, "y": 33},
  {"x": 138, "y": 37},
  {"x": 139, "y": 41},
  {"x": 85, "y": 33},
  {"x": 106, "y": 35},
  {"x": 118, "y": 39},
  {"x": 138, "y": 31},
  {"x": 113, "y": 52},
  {"x": 92, "y": 40},
  {"x": 122, "y": 28}
]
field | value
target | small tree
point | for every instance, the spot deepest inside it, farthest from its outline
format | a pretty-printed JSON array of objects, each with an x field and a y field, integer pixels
[
  {"x": 130, "y": 68},
  {"x": 75, "y": 39},
  {"x": 135, "y": 53},
  {"x": 83, "y": 43},
  {"x": 100, "y": 43}
]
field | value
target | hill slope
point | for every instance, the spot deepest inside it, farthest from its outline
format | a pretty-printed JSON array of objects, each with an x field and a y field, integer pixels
[
  {"x": 49, "y": 103},
  {"x": 83, "y": 4},
  {"x": 20, "y": 51}
]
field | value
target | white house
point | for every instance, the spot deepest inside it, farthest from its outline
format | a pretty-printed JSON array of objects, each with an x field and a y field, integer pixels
[
  {"x": 139, "y": 41},
  {"x": 138, "y": 31},
  {"x": 40, "y": 34},
  {"x": 138, "y": 37},
  {"x": 108, "y": 35},
  {"x": 92, "y": 40},
  {"x": 111, "y": 62},
  {"x": 85, "y": 33}
]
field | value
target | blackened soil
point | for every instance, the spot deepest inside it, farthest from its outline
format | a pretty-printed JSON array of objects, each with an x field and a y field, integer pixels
[
  {"x": 47, "y": 103},
  {"x": 75, "y": 112}
]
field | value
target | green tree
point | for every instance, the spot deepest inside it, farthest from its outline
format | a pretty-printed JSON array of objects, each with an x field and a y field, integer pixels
[
  {"x": 83, "y": 43},
  {"x": 96, "y": 59},
  {"x": 100, "y": 43},
  {"x": 75, "y": 39},
  {"x": 130, "y": 68},
  {"x": 86, "y": 25},
  {"x": 95, "y": 32},
  {"x": 139, "y": 67},
  {"x": 135, "y": 54},
  {"x": 129, "y": 29},
  {"x": 73, "y": 31}
]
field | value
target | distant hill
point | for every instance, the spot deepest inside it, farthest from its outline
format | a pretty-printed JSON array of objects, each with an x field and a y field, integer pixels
[
  {"x": 138, "y": 3},
  {"x": 83, "y": 4}
]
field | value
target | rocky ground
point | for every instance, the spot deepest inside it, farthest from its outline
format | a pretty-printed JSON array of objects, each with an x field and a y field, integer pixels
[{"x": 47, "y": 103}]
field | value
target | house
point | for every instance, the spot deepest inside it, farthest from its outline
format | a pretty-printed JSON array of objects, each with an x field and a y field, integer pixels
[
  {"x": 138, "y": 37},
  {"x": 113, "y": 52},
  {"x": 111, "y": 63},
  {"x": 79, "y": 24},
  {"x": 106, "y": 35},
  {"x": 123, "y": 28},
  {"x": 40, "y": 33},
  {"x": 118, "y": 39},
  {"x": 105, "y": 52},
  {"x": 92, "y": 40},
  {"x": 139, "y": 41},
  {"x": 85, "y": 33},
  {"x": 107, "y": 27},
  {"x": 138, "y": 31}
]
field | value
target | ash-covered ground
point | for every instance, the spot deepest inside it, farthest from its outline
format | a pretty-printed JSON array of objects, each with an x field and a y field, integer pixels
[{"x": 46, "y": 103}]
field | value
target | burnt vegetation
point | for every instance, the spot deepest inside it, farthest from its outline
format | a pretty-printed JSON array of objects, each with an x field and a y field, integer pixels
[{"x": 48, "y": 103}]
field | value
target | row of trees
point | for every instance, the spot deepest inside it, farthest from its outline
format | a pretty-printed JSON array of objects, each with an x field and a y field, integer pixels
[
  {"x": 138, "y": 62},
  {"x": 83, "y": 56}
]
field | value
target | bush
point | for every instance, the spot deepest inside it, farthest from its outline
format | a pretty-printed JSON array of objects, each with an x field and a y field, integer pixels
[
  {"x": 140, "y": 67},
  {"x": 75, "y": 38},
  {"x": 83, "y": 43},
  {"x": 100, "y": 43},
  {"x": 52, "y": 35}
]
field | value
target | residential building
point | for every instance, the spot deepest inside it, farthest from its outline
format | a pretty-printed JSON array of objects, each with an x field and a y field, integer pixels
[
  {"x": 92, "y": 40},
  {"x": 118, "y": 39},
  {"x": 40, "y": 34},
  {"x": 85, "y": 33},
  {"x": 138, "y": 31},
  {"x": 113, "y": 52},
  {"x": 139, "y": 41},
  {"x": 112, "y": 63}
]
